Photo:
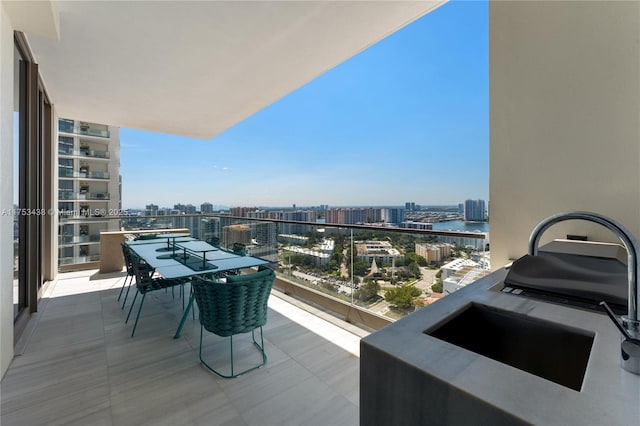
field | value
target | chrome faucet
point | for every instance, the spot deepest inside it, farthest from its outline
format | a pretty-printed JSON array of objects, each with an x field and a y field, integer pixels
[{"x": 629, "y": 325}]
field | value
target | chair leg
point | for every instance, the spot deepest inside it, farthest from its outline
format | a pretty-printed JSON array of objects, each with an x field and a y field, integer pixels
[
  {"x": 195, "y": 305},
  {"x": 138, "y": 316},
  {"x": 123, "y": 286},
  {"x": 127, "y": 293},
  {"x": 233, "y": 373},
  {"x": 135, "y": 296}
]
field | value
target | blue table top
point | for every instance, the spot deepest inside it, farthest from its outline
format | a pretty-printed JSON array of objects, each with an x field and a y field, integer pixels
[
  {"x": 158, "y": 257},
  {"x": 197, "y": 246},
  {"x": 178, "y": 270},
  {"x": 170, "y": 238}
]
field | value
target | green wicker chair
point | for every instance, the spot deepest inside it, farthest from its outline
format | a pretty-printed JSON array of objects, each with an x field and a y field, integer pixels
[
  {"x": 128, "y": 261},
  {"x": 235, "y": 307},
  {"x": 145, "y": 283}
]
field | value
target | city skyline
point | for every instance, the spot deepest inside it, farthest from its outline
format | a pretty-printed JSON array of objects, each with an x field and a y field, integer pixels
[
  {"x": 406, "y": 119},
  {"x": 198, "y": 205}
]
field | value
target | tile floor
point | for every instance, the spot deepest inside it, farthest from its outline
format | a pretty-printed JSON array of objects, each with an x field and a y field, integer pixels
[{"x": 79, "y": 365}]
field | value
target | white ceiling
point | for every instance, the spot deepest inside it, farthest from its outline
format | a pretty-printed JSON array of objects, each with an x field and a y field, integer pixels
[{"x": 197, "y": 68}]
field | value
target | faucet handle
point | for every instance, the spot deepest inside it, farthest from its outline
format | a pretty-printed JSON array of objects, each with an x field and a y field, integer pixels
[
  {"x": 623, "y": 330},
  {"x": 630, "y": 348}
]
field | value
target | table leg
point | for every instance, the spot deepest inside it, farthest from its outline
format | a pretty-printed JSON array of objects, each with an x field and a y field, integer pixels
[{"x": 184, "y": 316}]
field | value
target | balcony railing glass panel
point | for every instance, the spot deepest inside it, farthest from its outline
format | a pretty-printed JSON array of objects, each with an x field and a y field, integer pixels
[{"x": 389, "y": 271}]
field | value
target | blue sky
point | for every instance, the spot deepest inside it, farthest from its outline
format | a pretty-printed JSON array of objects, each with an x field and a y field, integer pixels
[{"x": 405, "y": 120}]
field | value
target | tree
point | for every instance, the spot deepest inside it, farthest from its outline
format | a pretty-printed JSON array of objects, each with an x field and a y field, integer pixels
[
  {"x": 360, "y": 268},
  {"x": 368, "y": 291},
  {"x": 437, "y": 287},
  {"x": 414, "y": 270},
  {"x": 402, "y": 297},
  {"x": 414, "y": 257}
]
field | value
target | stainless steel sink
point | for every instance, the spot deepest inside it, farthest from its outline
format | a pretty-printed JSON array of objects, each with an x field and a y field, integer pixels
[{"x": 549, "y": 350}]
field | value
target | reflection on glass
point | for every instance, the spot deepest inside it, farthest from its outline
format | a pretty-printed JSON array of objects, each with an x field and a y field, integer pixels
[{"x": 17, "y": 108}]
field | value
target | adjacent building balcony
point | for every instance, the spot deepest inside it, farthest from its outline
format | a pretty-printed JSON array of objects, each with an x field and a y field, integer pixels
[
  {"x": 82, "y": 128},
  {"x": 77, "y": 239},
  {"x": 77, "y": 260},
  {"x": 71, "y": 195},
  {"x": 66, "y": 172},
  {"x": 91, "y": 153}
]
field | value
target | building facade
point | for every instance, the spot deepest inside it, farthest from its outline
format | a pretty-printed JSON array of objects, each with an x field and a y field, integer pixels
[
  {"x": 380, "y": 251},
  {"x": 433, "y": 253},
  {"x": 475, "y": 210},
  {"x": 88, "y": 189}
]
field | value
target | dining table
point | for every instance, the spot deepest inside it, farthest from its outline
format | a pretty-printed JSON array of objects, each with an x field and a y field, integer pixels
[{"x": 187, "y": 257}]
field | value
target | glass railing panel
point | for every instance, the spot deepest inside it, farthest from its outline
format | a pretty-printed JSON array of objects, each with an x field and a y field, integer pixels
[
  {"x": 93, "y": 153},
  {"x": 388, "y": 271},
  {"x": 66, "y": 150},
  {"x": 83, "y": 128},
  {"x": 96, "y": 196},
  {"x": 67, "y": 195},
  {"x": 65, "y": 172},
  {"x": 93, "y": 132},
  {"x": 98, "y": 175},
  {"x": 66, "y": 126}
]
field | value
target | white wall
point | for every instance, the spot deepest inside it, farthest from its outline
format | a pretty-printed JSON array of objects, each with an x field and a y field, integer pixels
[
  {"x": 565, "y": 118},
  {"x": 6, "y": 191}
]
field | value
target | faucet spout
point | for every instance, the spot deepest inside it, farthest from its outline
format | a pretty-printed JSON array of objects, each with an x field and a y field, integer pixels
[
  {"x": 628, "y": 240},
  {"x": 630, "y": 326}
]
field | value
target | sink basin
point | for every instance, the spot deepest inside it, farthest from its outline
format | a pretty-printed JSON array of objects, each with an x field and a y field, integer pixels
[{"x": 549, "y": 350}]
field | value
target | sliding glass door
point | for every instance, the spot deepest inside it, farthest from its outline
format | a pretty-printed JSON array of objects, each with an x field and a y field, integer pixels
[{"x": 33, "y": 172}]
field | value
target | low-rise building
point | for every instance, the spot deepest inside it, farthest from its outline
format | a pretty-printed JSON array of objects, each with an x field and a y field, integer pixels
[
  {"x": 433, "y": 253},
  {"x": 319, "y": 257},
  {"x": 380, "y": 251}
]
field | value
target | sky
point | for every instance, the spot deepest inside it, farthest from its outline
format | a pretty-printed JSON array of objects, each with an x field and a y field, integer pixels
[{"x": 405, "y": 120}]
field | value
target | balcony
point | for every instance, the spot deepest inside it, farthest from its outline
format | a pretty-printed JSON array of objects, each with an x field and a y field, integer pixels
[
  {"x": 90, "y": 153},
  {"x": 70, "y": 195},
  {"x": 80, "y": 365},
  {"x": 80, "y": 128},
  {"x": 77, "y": 239},
  {"x": 66, "y": 172}
]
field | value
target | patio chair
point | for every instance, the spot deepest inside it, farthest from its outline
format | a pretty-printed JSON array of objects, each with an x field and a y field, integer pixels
[
  {"x": 234, "y": 307},
  {"x": 239, "y": 248},
  {"x": 128, "y": 263},
  {"x": 146, "y": 283},
  {"x": 214, "y": 241}
]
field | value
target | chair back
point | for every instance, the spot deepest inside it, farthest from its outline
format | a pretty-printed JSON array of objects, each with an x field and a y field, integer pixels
[
  {"x": 128, "y": 259},
  {"x": 239, "y": 248},
  {"x": 141, "y": 270},
  {"x": 237, "y": 306}
]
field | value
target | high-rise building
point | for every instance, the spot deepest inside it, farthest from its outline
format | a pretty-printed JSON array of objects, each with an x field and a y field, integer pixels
[
  {"x": 350, "y": 216},
  {"x": 300, "y": 216},
  {"x": 151, "y": 210},
  {"x": 475, "y": 210},
  {"x": 240, "y": 211},
  {"x": 88, "y": 188},
  {"x": 206, "y": 208},
  {"x": 393, "y": 216}
]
